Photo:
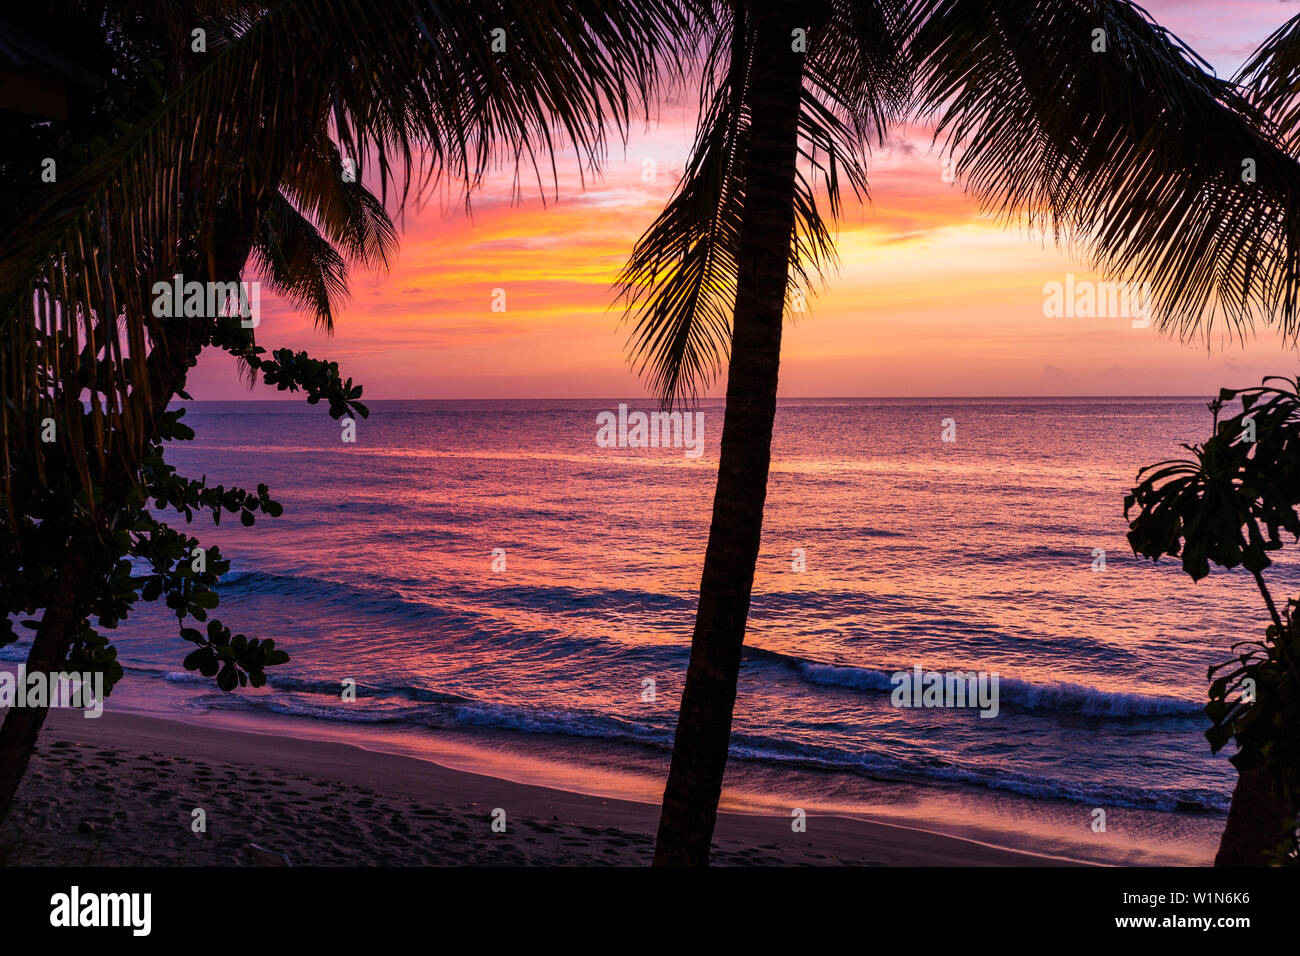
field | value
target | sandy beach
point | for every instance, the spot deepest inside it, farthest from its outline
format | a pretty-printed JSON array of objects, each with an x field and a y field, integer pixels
[{"x": 122, "y": 790}]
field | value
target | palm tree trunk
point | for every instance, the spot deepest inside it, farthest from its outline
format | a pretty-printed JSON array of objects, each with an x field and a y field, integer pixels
[
  {"x": 22, "y": 725},
  {"x": 694, "y": 786},
  {"x": 1257, "y": 819}
]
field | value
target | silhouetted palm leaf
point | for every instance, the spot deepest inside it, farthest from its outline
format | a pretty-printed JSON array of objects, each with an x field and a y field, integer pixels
[
  {"x": 299, "y": 263},
  {"x": 1134, "y": 154},
  {"x": 1272, "y": 75},
  {"x": 412, "y": 87},
  {"x": 679, "y": 283}
]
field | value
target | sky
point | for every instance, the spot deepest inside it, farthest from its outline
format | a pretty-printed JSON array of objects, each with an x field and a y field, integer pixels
[{"x": 930, "y": 298}]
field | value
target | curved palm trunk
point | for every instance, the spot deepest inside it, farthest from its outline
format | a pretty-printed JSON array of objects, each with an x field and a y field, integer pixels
[
  {"x": 22, "y": 725},
  {"x": 690, "y": 804},
  {"x": 1257, "y": 819}
]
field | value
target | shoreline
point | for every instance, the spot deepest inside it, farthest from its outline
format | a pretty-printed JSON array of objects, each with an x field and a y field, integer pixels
[
  {"x": 1051, "y": 826},
  {"x": 122, "y": 790}
]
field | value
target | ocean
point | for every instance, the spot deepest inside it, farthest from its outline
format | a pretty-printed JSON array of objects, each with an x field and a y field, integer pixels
[{"x": 512, "y": 595}]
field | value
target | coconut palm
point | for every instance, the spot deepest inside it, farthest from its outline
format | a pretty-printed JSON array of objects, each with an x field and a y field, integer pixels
[
  {"x": 414, "y": 89},
  {"x": 1082, "y": 118},
  {"x": 240, "y": 158},
  {"x": 303, "y": 259}
]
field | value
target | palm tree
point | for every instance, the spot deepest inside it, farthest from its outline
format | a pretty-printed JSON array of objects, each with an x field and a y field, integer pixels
[
  {"x": 1119, "y": 142},
  {"x": 418, "y": 90},
  {"x": 304, "y": 261},
  {"x": 239, "y": 157}
]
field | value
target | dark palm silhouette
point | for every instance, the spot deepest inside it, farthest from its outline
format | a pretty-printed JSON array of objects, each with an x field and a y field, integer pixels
[
  {"x": 1082, "y": 118},
  {"x": 237, "y": 160}
]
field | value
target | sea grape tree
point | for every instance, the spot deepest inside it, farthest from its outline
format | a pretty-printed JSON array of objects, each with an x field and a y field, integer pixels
[{"x": 1235, "y": 503}]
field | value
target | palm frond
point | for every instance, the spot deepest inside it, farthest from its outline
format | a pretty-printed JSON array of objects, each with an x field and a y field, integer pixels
[
  {"x": 1272, "y": 78},
  {"x": 413, "y": 86},
  {"x": 297, "y": 262},
  {"x": 680, "y": 278},
  {"x": 354, "y": 219},
  {"x": 679, "y": 285},
  {"x": 1136, "y": 154}
]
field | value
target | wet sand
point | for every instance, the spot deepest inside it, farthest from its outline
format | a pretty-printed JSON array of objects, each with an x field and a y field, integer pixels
[{"x": 122, "y": 790}]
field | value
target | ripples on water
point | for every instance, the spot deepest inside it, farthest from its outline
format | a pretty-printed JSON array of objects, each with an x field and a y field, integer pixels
[{"x": 975, "y": 555}]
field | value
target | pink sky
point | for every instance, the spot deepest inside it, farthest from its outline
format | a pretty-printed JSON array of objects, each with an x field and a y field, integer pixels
[{"x": 929, "y": 299}]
